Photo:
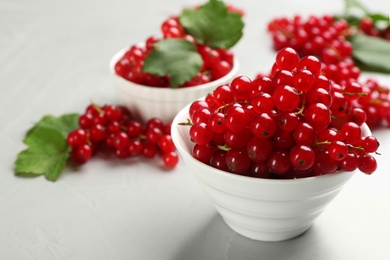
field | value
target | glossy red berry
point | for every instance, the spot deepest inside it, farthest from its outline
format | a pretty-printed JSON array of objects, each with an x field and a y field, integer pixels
[
  {"x": 81, "y": 153},
  {"x": 287, "y": 59},
  {"x": 77, "y": 137},
  {"x": 302, "y": 157}
]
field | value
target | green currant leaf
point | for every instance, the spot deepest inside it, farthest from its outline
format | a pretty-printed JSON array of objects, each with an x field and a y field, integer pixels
[
  {"x": 379, "y": 17},
  {"x": 354, "y": 19},
  {"x": 213, "y": 25},
  {"x": 351, "y": 19},
  {"x": 372, "y": 52},
  {"x": 355, "y": 4},
  {"x": 46, "y": 154},
  {"x": 176, "y": 58},
  {"x": 47, "y": 150},
  {"x": 63, "y": 124}
]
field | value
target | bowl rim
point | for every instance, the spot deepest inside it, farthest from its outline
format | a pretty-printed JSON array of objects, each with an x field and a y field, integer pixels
[
  {"x": 116, "y": 57},
  {"x": 242, "y": 178}
]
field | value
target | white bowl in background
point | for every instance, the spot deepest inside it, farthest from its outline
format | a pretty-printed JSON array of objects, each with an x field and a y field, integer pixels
[
  {"x": 146, "y": 102},
  {"x": 260, "y": 209}
]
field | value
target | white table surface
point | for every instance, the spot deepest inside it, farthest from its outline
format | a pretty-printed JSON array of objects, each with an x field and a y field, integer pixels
[{"x": 54, "y": 60}]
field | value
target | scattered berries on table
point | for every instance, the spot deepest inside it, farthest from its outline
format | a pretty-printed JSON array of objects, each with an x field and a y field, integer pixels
[{"x": 112, "y": 128}]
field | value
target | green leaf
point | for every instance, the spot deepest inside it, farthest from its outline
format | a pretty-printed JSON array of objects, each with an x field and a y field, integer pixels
[
  {"x": 46, "y": 154},
  {"x": 63, "y": 124},
  {"x": 372, "y": 52},
  {"x": 213, "y": 25},
  {"x": 176, "y": 58},
  {"x": 355, "y": 4},
  {"x": 353, "y": 19},
  {"x": 379, "y": 17},
  {"x": 47, "y": 150}
]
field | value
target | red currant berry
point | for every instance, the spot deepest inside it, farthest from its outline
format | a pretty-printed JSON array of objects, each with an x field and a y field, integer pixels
[
  {"x": 121, "y": 141},
  {"x": 287, "y": 59},
  {"x": 134, "y": 129},
  {"x": 259, "y": 170},
  {"x": 310, "y": 63},
  {"x": 236, "y": 119},
  {"x": 349, "y": 163},
  {"x": 237, "y": 140},
  {"x": 351, "y": 133},
  {"x": 305, "y": 134},
  {"x": 318, "y": 115},
  {"x": 286, "y": 98},
  {"x": 97, "y": 133},
  {"x": 262, "y": 103},
  {"x": 323, "y": 163},
  {"x": 153, "y": 135},
  {"x": 135, "y": 147},
  {"x": 76, "y": 138},
  {"x": 303, "y": 80},
  {"x": 302, "y": 157},
  {"x": 113, "y": 113},
  {"x": 238, "y": 161},
  {"x": 197, "y": 105},
  {"x": 149, "y": 150},
  {"x": 122, "y": 153},
  {"x": 85, "y": 121},
  {"x": 81, "y": 153},
  {"x": 166, "y": 144},
  {"x": 338, "y": 150},
  {"x": 203, "y": 153},
  {"x": 154, "y": 122},
  {"x": 259, "y": 149},
  {"x": 370, "y": 144},
  {"x": 170, "y": 159},
  {"x": 217, "y": 123},
  {"x": 201, "y": 133},
  {"x": 241, "y": 87},
  {"x": 287, "y": 121},
  {"x": 279, "y": 162},
  {"x": 263, "y": 126},
  {"x": 367, "y": 164}
]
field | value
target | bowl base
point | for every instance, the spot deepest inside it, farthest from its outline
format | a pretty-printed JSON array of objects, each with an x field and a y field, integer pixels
[{"x": 268, "y": 236}]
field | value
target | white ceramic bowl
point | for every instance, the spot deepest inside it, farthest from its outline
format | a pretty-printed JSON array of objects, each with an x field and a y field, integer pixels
[
  {"x": 260, "y": 209},
  {"x": 146, "y": 102}
]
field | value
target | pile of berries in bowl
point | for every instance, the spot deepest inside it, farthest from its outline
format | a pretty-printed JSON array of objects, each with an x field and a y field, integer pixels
[
  {"x": 158, "y": 77},
  {"x": 272, "y": 152}
]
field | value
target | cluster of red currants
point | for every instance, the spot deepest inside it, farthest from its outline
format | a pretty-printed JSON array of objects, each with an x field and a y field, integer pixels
[
  {"x": 111, "y": 128},
  {"x": 326, "y": 38},
  {"x": 292, "y": 124},
  {"x": 216, "y": 62}
]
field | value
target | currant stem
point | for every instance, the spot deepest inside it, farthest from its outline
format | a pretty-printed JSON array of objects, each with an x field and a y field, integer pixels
[
  {"x": 98, "y": 108},
  {"x": 189, "y": 123},
  {"x": 300, "y": 111},
  {"x": 349, "y": 146},
  {"x": 359, "y": 148},
  {"x": 322, "y": 143},
  {"x": 360, "y": 94},
  {"x": 223, "y": 147},
  {"x": 142, "y": 137}
]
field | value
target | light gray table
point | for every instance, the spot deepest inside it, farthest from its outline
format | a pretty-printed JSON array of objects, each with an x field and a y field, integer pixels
[{"x": 54, "y": 60}]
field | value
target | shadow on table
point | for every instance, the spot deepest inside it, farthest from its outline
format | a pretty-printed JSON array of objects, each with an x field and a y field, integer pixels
[{"x": 218, "y": 241}]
